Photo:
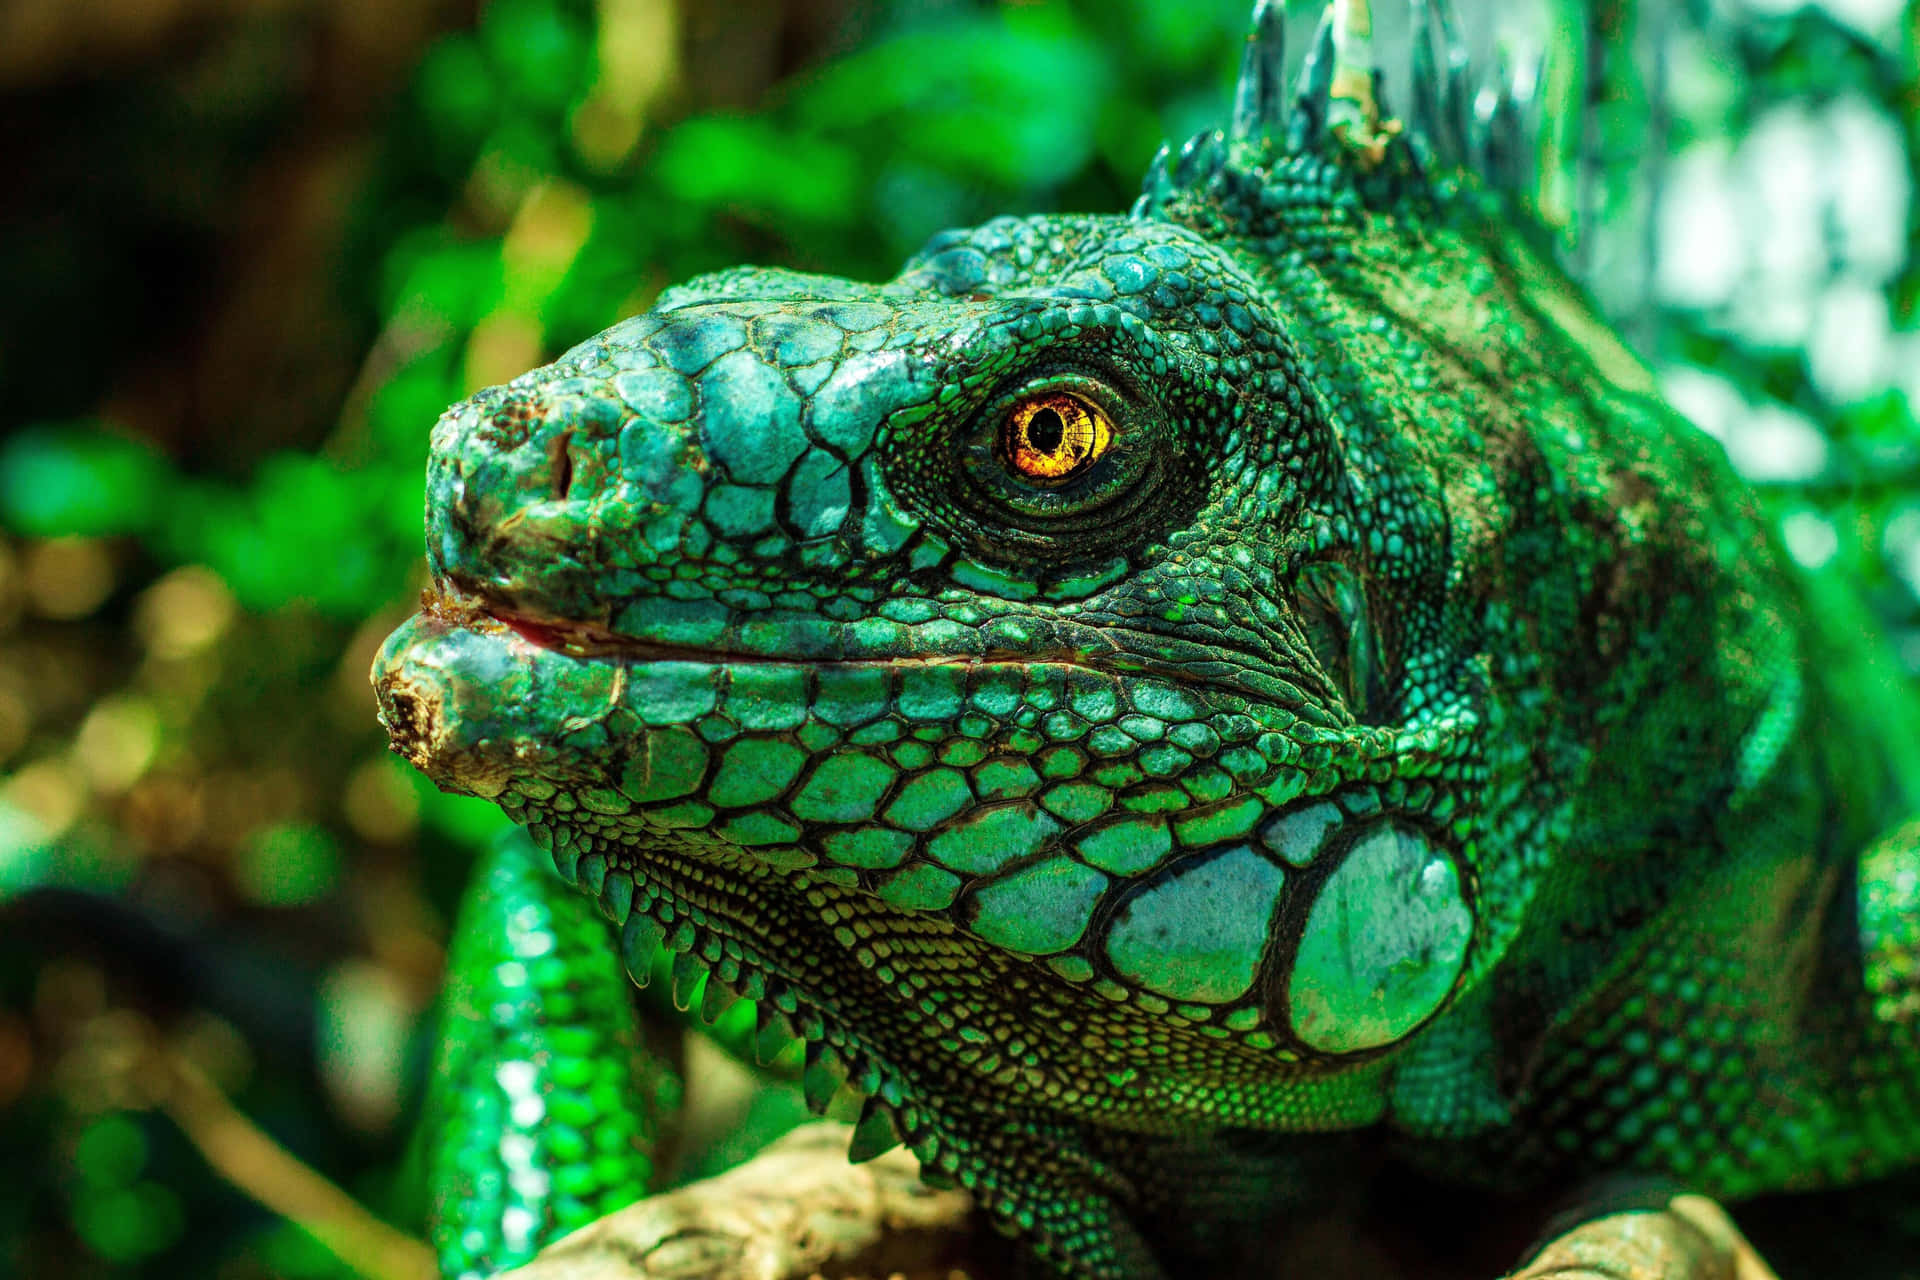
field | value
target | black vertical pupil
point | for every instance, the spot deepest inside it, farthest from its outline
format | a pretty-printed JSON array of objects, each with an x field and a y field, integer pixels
[{"x": 1045, "y": 430}]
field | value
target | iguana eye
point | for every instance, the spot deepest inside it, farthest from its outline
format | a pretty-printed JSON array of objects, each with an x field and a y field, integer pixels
[
  {"x": 1064, "y": 463},
  {"x": 1052, "y": 437}
]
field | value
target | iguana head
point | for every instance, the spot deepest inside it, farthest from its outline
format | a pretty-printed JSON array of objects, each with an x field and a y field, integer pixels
[{"x": 1002, "y": 647}]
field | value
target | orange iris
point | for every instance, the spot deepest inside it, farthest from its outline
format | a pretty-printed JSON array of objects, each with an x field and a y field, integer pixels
[{"x": 1052, "y": 437}]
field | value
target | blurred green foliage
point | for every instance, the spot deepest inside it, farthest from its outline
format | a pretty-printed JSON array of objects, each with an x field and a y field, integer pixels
[{"x": 205, "y": 851}]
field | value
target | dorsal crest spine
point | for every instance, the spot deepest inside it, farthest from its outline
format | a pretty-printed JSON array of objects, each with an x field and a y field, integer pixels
[{"x": 1335, "y": 115}]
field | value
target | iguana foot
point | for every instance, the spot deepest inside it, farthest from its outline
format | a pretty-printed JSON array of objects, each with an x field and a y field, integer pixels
[{"x": 1657, "y": 1236}]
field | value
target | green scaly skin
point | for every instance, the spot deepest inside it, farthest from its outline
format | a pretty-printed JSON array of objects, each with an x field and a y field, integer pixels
[
  {"x": 1409, "y": 723},
  {"x": 547, "y": 1100}
]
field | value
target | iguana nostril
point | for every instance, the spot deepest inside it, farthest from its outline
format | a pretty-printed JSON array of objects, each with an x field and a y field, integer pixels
[{"x": 560, "y": 464}]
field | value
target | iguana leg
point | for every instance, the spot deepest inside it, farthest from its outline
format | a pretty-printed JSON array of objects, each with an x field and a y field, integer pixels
[{"x": 544, "y": 1111}]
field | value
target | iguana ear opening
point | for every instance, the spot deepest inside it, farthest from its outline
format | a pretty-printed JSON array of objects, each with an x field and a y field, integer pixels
[{"x": 1330, "y": 602}]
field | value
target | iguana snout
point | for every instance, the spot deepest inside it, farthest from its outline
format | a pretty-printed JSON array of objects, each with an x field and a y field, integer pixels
[{"x": 701, "y": 477}]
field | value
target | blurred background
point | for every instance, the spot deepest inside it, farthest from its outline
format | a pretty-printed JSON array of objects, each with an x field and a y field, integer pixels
[{"x": 249, "y": 249}]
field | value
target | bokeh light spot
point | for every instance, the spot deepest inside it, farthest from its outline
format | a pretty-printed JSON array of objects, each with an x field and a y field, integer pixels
[
  {"x": 184, "y": 612},
  {"x": 68, "y": 577},
  {"x": 117, "y": 742},
  {"x": 288, "y": 864}
]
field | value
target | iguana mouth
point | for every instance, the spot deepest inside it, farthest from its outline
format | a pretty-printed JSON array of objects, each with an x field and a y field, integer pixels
[
  {"x": 465, "y": 605},
  {"x": 585, "y": 640}
]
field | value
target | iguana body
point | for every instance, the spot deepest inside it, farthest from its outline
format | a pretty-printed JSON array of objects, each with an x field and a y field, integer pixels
[{"x": 1266, "y": 664}]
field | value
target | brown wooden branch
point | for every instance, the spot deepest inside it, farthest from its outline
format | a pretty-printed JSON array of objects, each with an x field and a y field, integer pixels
[{"x": 797, "y": 1210}]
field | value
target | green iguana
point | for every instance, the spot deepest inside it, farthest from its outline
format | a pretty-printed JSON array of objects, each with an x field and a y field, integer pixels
[{"x": 1135, "y": 689}]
